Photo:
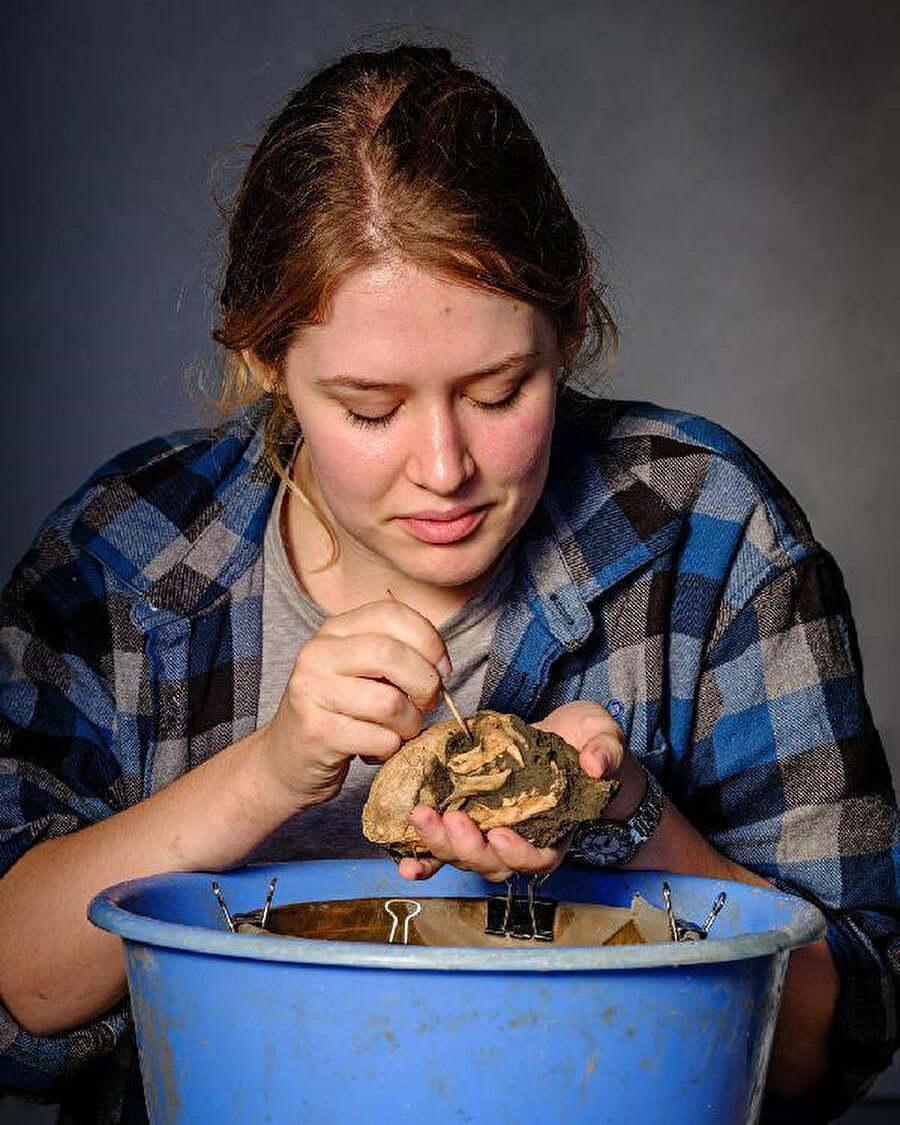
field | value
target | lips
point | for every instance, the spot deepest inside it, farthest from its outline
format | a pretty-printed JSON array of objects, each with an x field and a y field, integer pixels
[
  {"x": 435, "y": 515},
  {"x": 443, "y": 527}
]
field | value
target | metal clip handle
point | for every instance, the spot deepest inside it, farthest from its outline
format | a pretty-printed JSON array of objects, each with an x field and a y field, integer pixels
[
  {"x": 414, "y": 908},
  {"x": 255, "y": 917},
  {"x": 226, "y": 913},
  {"x": 681, "y": 930},
  {"x": 715, "y": 910}
]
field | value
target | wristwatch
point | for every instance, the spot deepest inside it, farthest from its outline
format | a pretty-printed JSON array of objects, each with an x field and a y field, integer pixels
[{"x": 613, "y": 843}]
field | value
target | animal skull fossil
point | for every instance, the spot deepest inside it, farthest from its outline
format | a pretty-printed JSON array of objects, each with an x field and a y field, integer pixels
[{"x": 513, "y": 775}]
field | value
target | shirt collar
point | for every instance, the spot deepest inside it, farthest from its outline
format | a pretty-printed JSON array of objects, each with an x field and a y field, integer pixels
[{"x": 598, "y": 520}]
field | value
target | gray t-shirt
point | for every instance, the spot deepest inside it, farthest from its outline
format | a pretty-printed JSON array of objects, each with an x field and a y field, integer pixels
[{"x": 290, "y": 618}]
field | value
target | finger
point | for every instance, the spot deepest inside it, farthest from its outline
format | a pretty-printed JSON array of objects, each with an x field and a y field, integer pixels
[
  {"x": 429, "y": 824},
  {"x": 602, "y": 755},
  {"x": 584, "y": 714},
  {"x": 455, "y": 838},
  {"x": 339, "y": 736},
  {"x": 371, "y": 701},
  {"x": 398, "y": 620},
  {"x": 377, "y": 656},
  {"x": 580, "y": 722},
  {"x": 410, "y": 868},
  {"x": 518, "y": 854}
]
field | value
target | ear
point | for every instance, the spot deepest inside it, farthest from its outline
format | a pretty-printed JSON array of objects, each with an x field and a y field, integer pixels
[{"x": 262, "y": 374}]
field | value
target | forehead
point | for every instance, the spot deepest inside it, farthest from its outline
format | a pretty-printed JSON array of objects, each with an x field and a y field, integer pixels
[{"x": 397, "y": 319}]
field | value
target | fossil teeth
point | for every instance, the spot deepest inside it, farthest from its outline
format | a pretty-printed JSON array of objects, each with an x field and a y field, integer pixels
[
  {"x": 469, "y": 785},
  {"x": 471, "y": 760},
  {"x": 516, "y": 754},
  {"x": 522, "y": 807}
]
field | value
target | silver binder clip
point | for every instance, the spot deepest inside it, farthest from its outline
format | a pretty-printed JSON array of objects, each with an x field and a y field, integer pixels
[
  {"x": 412, "y": 909},
  {"x": 690, "y": 931},
  {"x": 253, "y": 918}
]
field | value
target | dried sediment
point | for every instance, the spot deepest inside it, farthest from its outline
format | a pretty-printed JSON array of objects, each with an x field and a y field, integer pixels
[{"x": 512, "y": 775}]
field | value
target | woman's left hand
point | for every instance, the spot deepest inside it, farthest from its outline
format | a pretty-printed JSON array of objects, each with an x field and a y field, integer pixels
[{"x": 455, "y": 838}]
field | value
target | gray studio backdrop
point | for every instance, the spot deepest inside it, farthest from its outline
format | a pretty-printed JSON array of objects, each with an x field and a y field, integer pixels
[{"x": 737, "y": 164}]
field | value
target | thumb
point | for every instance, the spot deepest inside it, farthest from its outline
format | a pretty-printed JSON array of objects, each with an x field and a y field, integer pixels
[
  {"x": 584, "y": 724},
  {"x": 602, "y": 754}
]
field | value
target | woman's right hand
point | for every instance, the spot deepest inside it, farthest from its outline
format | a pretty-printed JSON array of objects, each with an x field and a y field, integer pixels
[{"x": 360, "y": 685}]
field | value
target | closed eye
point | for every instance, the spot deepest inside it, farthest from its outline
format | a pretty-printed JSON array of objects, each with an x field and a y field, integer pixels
[
  {"x": 501, "y": 404},
  {"x": 367, "y": 422}
]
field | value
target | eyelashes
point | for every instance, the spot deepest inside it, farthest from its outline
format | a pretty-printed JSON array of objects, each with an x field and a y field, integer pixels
[
  {"x": 382, "y": 420},
  {"x": 367, "y": 423},
  {"x": 503, "y": 404}
]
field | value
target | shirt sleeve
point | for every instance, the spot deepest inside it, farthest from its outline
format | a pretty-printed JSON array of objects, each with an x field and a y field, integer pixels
[
  {"x": 58, "y": 767},
  {"x": 787, "y": 776}
]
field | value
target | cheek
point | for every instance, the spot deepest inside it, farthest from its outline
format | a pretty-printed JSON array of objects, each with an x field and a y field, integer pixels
[
  {"x": 517, "y": 452},
  {"x": 351, "y": 468}
]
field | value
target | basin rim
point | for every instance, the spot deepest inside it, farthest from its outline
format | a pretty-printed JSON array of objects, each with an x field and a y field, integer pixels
[{"x": 107, "y": 912}]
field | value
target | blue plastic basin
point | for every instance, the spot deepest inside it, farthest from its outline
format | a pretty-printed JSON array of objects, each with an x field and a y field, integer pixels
[{"x": 242, "y": 1028}]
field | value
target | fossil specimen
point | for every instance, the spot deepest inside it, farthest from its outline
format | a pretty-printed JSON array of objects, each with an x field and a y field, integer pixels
[{"x": 512, "y": 775}]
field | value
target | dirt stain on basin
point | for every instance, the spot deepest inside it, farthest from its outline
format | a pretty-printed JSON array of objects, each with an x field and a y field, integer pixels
[{"x": 157, "y": 1059}]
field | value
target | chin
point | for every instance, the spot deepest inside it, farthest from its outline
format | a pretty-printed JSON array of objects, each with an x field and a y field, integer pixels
[
  {"x": 442, "y": 569},
  {"x": 445, "y": 566}
]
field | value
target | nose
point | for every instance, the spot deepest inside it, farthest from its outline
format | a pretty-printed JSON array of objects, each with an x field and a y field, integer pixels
[{"x": 440, "y": 460}]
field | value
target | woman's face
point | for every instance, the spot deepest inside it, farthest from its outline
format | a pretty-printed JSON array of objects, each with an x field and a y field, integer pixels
[{"x": 427, "y": 412}]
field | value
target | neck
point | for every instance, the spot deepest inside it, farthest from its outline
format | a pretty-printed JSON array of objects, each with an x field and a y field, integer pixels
[{"x": 343, "y": 587}]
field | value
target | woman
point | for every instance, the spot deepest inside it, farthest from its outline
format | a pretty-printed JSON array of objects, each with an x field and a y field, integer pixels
[{"x": 210, "y": 648}]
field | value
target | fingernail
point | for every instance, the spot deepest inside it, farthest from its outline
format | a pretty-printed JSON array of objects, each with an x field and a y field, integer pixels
[{"x": 444, "y": 667}]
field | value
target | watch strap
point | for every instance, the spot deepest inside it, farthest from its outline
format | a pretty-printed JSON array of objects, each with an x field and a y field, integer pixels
[{"x": 605, "y": 842}]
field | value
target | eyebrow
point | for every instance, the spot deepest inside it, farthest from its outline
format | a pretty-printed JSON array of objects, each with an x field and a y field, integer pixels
[{"x": 356, "y": 382}]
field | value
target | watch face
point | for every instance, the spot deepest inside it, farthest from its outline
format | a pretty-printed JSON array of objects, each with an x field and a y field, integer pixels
[{"x": 610, "y": 844}]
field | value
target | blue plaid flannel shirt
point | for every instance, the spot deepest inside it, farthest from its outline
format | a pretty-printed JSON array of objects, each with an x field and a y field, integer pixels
[{"x": 664, "y": 567}]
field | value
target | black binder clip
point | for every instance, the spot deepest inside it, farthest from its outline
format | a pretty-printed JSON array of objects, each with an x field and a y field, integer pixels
[{"x": 521, "y": 916}]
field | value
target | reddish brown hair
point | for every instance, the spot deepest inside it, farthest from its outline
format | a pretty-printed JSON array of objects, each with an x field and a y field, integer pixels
[{"x": 400, "y": 154}]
